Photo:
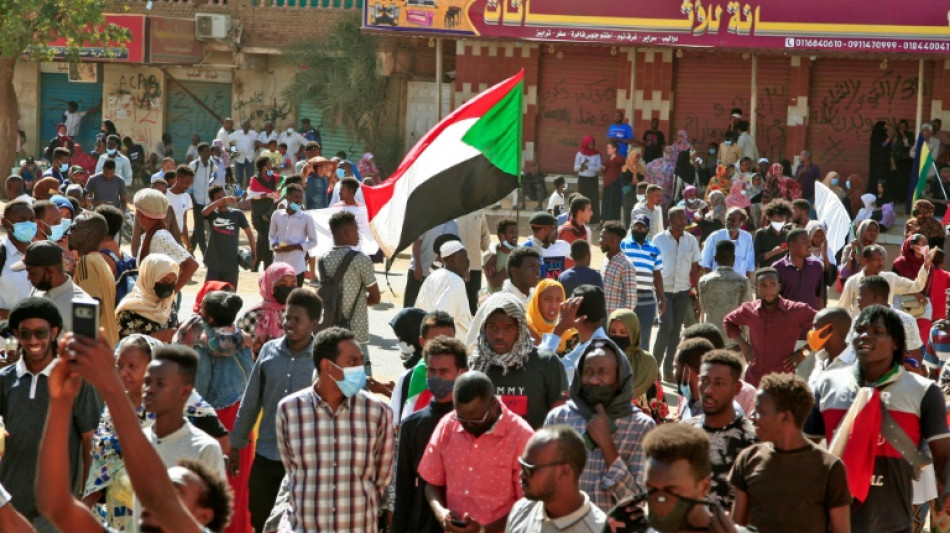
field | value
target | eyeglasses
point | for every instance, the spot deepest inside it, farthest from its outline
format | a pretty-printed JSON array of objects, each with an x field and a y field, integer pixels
[
  {"x": 475, "y": 421},
  {"x": 26, "y": 334},
  {"x": 529, "y": 469}
]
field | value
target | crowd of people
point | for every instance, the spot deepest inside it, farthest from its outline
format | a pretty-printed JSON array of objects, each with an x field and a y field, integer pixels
[{"x": 534, "y": 395}]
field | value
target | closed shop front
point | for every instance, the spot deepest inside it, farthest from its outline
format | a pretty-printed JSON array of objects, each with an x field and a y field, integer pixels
[
  {"x": 55, "y": 91},
  {"x": 847, "y": 97},
  {"x": 185, "y": 116},
  {"x": 771, "y": 107},
  {"x": 333, "y": 138},
  {"x": 706, "y": 85},
  {"x": 577, "y": 96}
]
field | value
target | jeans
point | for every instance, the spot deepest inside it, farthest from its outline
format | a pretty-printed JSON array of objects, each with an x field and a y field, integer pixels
[
  {"x": 316, "y": 192},
  {"x": 243, "y": 173},
  {"x": 646, "y": 312},
  {"x": 671, "y": 322},
  {"x": 472, "y": 286},
  {"x": 263, "y": 483}
]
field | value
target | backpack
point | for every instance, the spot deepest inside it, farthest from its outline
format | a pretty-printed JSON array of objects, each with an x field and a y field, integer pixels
[
  {"x": 126, "y": 274},
  {"x": 331, "y": 294}
]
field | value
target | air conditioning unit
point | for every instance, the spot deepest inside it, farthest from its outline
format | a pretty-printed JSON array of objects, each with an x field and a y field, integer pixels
[{"x": 212, "y": 26}]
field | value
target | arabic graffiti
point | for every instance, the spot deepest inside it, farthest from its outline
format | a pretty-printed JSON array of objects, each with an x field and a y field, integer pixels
[
  {"x": 259, "y": 108},
  {"x": 569, "y": 109},
  {"x": 186, "y": 117},
  {"x": 855, "y": 104}
]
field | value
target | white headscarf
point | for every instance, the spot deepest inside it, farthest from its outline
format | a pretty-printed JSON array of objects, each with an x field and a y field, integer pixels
[
  {"x": 484, "y": 357},
  {"x": 142, "y": 300}
]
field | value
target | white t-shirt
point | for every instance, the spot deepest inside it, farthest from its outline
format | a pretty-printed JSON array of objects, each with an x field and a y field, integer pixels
[
  {"x": 180, "y": 203},
  {"x": 556, "y": 203},
  {"x": 72, "y": 122}
]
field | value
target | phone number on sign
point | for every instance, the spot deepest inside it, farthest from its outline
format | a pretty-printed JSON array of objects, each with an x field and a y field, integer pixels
[{"x": 927, "y": 47}]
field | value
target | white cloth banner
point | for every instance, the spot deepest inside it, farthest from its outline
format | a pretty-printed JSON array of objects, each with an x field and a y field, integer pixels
[
  {"x": 835, "y": 217},
  {"x": 325, "y": 238}
]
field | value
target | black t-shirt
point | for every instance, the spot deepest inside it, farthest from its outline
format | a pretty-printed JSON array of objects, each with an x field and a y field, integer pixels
[{"x": 223, "y": 242}]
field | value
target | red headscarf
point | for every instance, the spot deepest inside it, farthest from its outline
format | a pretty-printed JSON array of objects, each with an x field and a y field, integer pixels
[
  {"x": 908, "y": 264},
  {"x": 210, "y": 286},
  {"x": 585, "y": 143}
]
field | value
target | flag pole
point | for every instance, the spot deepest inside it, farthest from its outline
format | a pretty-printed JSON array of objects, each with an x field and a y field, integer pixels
[{"x": 943, "y": 189}]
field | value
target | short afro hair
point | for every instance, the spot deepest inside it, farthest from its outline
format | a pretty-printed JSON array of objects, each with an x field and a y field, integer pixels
[
  {"x": 791, "y": 393},
  {"x": 671, "y": 442}
]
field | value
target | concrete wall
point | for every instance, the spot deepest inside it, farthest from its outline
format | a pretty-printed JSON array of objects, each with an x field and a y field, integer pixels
[
  {"x": 134, "y": 98},
  {"x": 257, "y": 92},
  {"x": 26, "y": 81}
]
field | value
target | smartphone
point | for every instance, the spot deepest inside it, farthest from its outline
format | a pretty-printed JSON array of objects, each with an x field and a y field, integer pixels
[
  {"x": 86, "y": 318},
  {"x": 458, "y": 523}
]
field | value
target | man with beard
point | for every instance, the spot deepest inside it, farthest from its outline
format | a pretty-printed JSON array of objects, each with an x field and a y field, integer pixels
[
  {"x": 776, "y": 328},
  {"x": 528, "y": 381},
  {"x": 554, "y": 251},
  {"x": 93, "y": 274},
  {"x": 445, "y": 360},
  {"x": 729, "y": 430},
  {"x": 524, "y": 274},
  {"x": 875, "y": 389},
  {"x": 444, "y": 289},
  {"x": 551, "y": 467},
  {"x": 677, "y": 482},
  {"x": 25, "y": 397},
  {"x": 43, "y": 262},
  {"x": 481, "y": 435},
  {"x": 601, "y": 410},
  {"x": 648, "y": 262}
]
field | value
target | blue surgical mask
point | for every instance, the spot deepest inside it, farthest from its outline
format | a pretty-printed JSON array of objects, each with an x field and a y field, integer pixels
[
  {"x": 354, "y": 379},
  {"x": 834, "y": 181},
  {"x": 56, "y": 232},
  {"x": 847, "y": 185},
  {"x": 63, "y": 167},
  {"x": 293, "y": 206},
  {"x": 340, "y": 173},
  {"x": 24, "y": 231},
  {"x": 440, "y": 387},
  {"x": 111, "y": 151},
  {"x": 686, "y": 393},
  {"x": 712, "y": 151},
  {"x": 728, "y": 143}
]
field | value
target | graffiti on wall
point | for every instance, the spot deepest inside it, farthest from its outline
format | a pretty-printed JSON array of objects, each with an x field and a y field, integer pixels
[
  {"x": 263, "y": 104},
  {"x": 568, "y": 110},
  {"x": 134, "y": 103},
  {"x": 185, "y": 121}
]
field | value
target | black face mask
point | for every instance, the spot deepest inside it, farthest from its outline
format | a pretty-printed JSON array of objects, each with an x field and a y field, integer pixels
[
  {"x": 164, "y": 290},
  {"x": 622, "y": 341},
  {"x": 281, "y": 293},
  {"x": 44, "y": 284}
]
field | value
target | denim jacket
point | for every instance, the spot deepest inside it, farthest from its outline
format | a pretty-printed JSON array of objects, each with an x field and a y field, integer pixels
[{"x": 224, "y": 362}]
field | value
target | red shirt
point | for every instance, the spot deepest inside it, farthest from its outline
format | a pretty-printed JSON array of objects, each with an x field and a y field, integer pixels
[{"x": 772, "y": 334}]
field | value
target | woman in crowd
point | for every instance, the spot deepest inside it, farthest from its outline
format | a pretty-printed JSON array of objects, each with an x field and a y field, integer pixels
[
  {"x": 738, "y": 197},
  {"x": 855, "y": 188},
  {"x": 715, "y": 218},
  {"x": 695, "y": 208},
  {"x": 923, "y": 222},
  {"x": 631, "y": 173},
  {"x": 885, "y": 202},
  {"x": 914, "y": 251},
  {"x": 107, "y": 489},
  {"x": 613, "y": 189},
  {"x": 901, "y": 144},
  {"x": 660, "y": 172},
  {"x": 543, "y": 311},
  {"x": 719, "y": 182},
  {"x": 623, "y": 327},
  {"x": 833, "y": 182},
  {"x": 148, "y": 308},
  {"x": 879, "y": 167},
  {"x": 367, "y": 167},
  {"x": 587, "y": 164},
  {"x": 265, "y": 321},
  {"x": 868, "y": 210},
  {"x": 866, "y": 234},
  {"x": 817, "y": 237},
  {"x": 780, "y": 185}
]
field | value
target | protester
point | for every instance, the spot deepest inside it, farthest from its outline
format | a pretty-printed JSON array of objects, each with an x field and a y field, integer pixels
[
  {"x": 587, "y": 164},
  {"x": 874, "y": 290},
  {"x": 801, "y": 275},
  {"x": 423, "y": 255},
  {"x": 265, "y": 321},
  {"x": 745, "y": 251},
  {"x": 43, "y": 262},
  {"x": 554, "y": 252},
  {"x": 581, "y": 273},
  {"x": 92, "y": 272},
  {"x": 482, "y": 433},
  {"x": 866, "y": 234},
  {"x": 619, "y": 274},
  {"x": 543, "y": 311},
  {"x": 874, "y": 257},
  {"x": 476, "y": 238},
  {"x": 652, "y": 207},
  {"x": 623, "y": 328},
  {"x": 151, "y": 208},
  {"x": 579, "y": 217},
  {"x": 121, "y": 163},
  {"x": 19, "y": 221},
  {"x": 723, "y": 290},
  {"x": 411, "y": 393},
  {"x": 553, "y": 497},
  {"x": 828, "y": 342},
  {"x": 445, "y": 288},
  {"x": 770, "y": 243},
  {"x": 495, "y": 259},
  {"x": 179, "y": 200},
  {"x": 292, "y": 233},
  {"x": 148, "y": 309}
]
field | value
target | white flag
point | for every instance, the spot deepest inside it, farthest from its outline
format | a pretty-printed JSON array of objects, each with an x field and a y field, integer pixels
[
  {"x": 325, "y": 238},
  {"x": 833, "y": 214}
]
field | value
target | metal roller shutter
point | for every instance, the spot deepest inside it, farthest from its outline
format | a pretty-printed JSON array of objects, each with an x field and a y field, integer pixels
[
  {"x": 56, "y": 90},
  {"x": 771, "y": 111},
  {"x": 186, "y": 117},
  {"x": 334, "y": 139},
  {"x": 847, "y": 97},
  {"x": 706, "y": 85},
  {"x": 577, "y": 96}
]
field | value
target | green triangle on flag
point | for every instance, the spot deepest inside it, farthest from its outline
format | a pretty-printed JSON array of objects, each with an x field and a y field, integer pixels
[{"x": 498, "y": 133}]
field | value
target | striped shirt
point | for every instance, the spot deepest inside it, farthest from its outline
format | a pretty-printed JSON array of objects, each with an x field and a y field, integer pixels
[
  {"x": 645, "y": 258},
  {"x": 338, "y": 463},
  {"x": 937, "y": 350}
]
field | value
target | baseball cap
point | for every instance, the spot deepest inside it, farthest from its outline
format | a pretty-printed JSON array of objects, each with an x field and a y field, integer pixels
[
  {"x": 39, "y": 254},
  {"x": 641, "y": 219}
]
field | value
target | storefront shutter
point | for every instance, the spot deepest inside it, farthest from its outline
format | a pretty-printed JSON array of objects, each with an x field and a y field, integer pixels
[
  {"x": 577, "y": 96},
  {"x": 771, "y": 111},
  {"x": 186, "y": 117},
  {"x": 56, "y": 90},
  {"x": 334, "y": 139},
  {"x": 706, "y": 85}
]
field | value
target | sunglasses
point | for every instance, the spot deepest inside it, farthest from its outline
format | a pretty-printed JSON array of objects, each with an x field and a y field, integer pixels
[
  {"x": 26, "y": 334},
  {"x": 529, "y": 469},
  {"x": 476, "y": 421}
]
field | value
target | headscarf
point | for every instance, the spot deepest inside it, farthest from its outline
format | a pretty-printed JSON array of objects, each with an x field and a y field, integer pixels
[
  {"x": 865, "y": 213},
  {"x": 210, "y": 286},
  {"x": 681, "y": 144},
  {"x": 536, "y": 321},
  {"x": 855, "y": 191},
  {"x": 585, "y": 143},
  {"x": 621, "y": 406},
  {"x": 645, "y": 369},
  {"x": 719, "y": 182},
  {"x": 142, "y": 300},
  {"x": 717, "y": 207},
  {"x": 691, "y": 199},
  {"x": 813, "y": 227},
  {"x": 883, "y": 198},
  {"x": 366, "y": 165},
  {"x": 834, "y": 188},
  {"x": 406, "y": 325},
  {"x": 907, "y": 265},
  {"x": 660, "y": 171},
  {"x": 736, "y": 198},
  {"x": 270, "y": 319},
  {"x": 484, "y": 357}
]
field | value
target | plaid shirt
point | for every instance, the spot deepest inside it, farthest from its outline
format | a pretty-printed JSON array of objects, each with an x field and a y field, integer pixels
[
  {"x": 620, "y": 283},
  {"x": 610, "y": 484},
  {"x": 338, "y": 464}
]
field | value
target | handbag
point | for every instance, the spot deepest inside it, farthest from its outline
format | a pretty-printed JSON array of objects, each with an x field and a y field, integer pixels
[{"x": 913, "y": 307}]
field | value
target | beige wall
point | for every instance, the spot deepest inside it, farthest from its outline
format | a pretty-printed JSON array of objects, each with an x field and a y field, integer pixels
[
  {"x": 134, "y": 98},
  {"x": 26, "y": 79},
  {"x": 257, "y": 92}
]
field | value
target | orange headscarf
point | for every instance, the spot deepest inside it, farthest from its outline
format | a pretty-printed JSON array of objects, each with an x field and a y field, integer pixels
[{"x": 536, "y": 321}]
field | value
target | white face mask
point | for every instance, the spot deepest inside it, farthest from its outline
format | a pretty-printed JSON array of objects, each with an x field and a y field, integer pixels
[
  {"x": 290, "y": 130},
  {"x": 406, "y": 349},
  {"x": 777, "y": 226}
]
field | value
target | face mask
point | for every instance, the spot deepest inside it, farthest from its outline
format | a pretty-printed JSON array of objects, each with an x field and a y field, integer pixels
[
  {"x": 744, "y": 192},
  {"x": 622, "y": 341},
  {"x": 728, "y": 143},
  {"x": 685, "y": 391},
  {"x": 440, "y": 387},
  {"x": 817, "y": 338},
  {"x": 66, "y": 224},
  {"x": 57, "y": 231},
  {"x": 597, "y": 394},
  {"x": 281, "y": 293},
  {"x": 847, "y": 185},
  {"x": 640, "y": 236},
  {"x": 111, "y": 151},
  {"x": 44, "y": 285},
  {"x": 290, "y": 130},
  {"x": 63, "y": 167},
  {"x": 678, "y": 517},
  {"x": 777, "y": 226},
  {"x": 922, "y": 250},
  {"x": 354, "y": 379},
  {"x": 293, "y": 206},
  {"x": 834, "y": 181},
  {"x": 406, "y": 349},
  {"x": 712, "y": 151},
  {"x": 164, "y": 290},
  {"x": 24, "y": 231},
  {"x": 340, "y": 173}
]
